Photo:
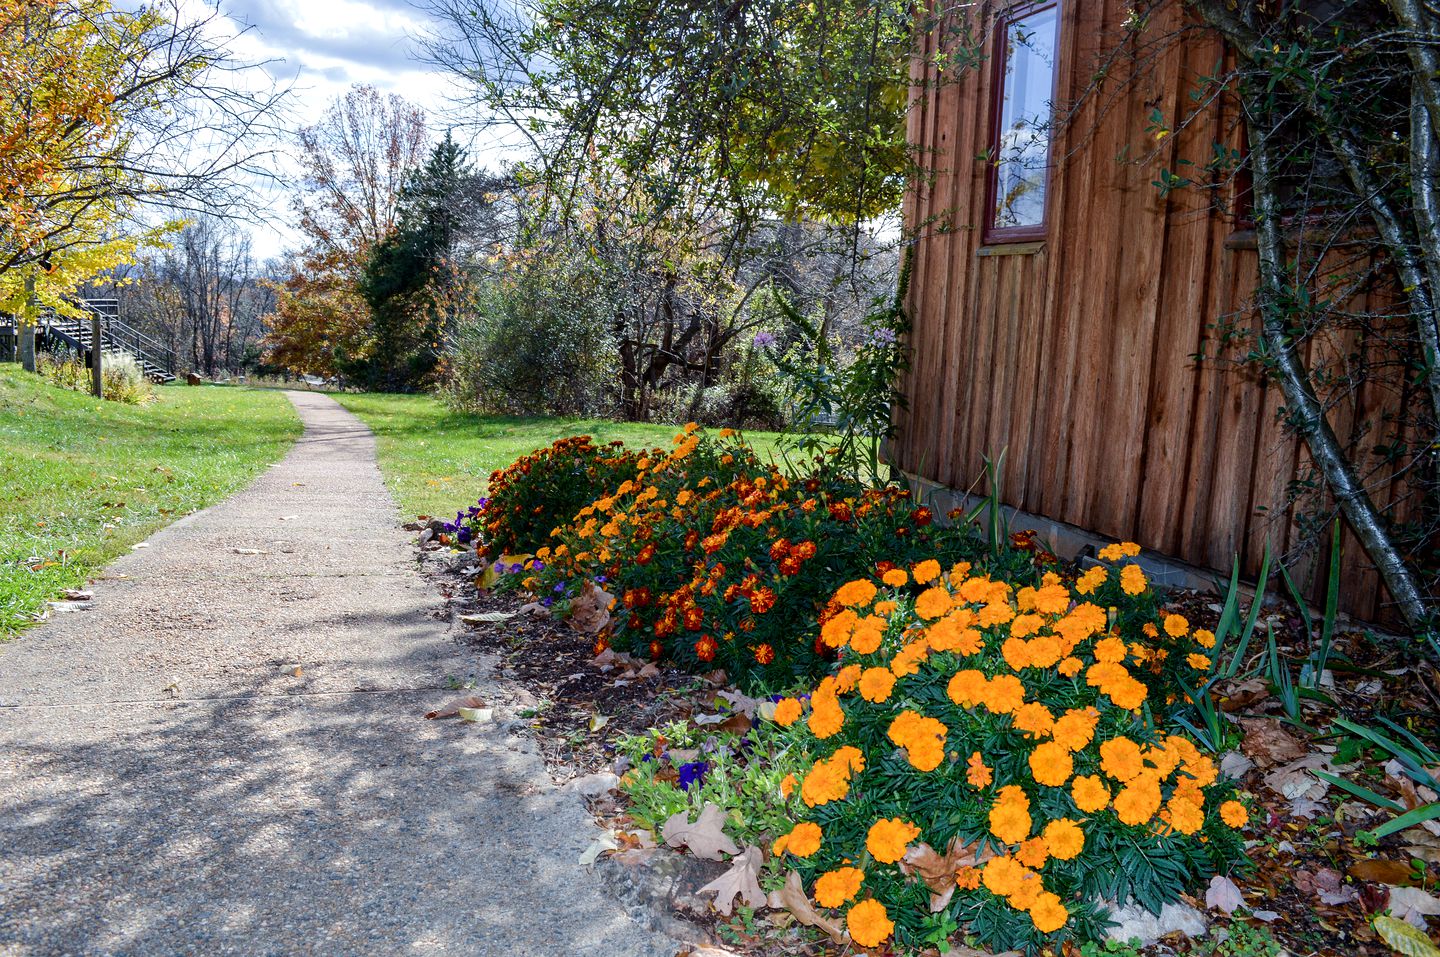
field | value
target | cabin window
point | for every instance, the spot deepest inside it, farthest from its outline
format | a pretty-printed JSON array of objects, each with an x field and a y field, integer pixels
[{"x": 1024, "y": 91}]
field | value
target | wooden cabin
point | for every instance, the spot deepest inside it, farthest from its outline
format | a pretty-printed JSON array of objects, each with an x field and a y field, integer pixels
[{"x": 1058, "y": 299}]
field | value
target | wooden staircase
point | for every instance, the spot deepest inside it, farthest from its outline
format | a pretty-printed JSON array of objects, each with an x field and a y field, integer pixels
[{"x": 58, "y": 333}]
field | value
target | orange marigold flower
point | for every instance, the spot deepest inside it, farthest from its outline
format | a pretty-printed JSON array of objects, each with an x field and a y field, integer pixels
[
  {"x": 802, "y": 841},
  {"x": 1204, "y": 637},
  {"x": 1093, "y": 578},
  {"x": 1033, "y": 852},
  {"x": 855, "y": 593},
  {"x": 1070, "y": 667},
  {"x": 826, "y": 715},
  {"x": 908, "y": 659},
  {"x": 1075, "y": 728},
  {"x": 1185, "y": 816},
  {"x": 967, "y": 878},
  {"x": 1052, "y": 600},
  {"x": 1003, "y": 875},
  {"x": 1121, "y": 758},
  {"x": 1004, "y": 694},
  {"x": 1132, "y": 580},
  {"x": 1234, "y": 814},
  {"x": 846, "y": 679},
  {"x": 835, "y": 632},
  {"x": 1129, "y": 694},
  {"x": 932, "y": 603},
  {"x": 977, "y": 773},
  {"x": 868, "y": 633},
  {"x": 895, "y": 578},
  {"x": 834, "y": 888},
  {"x": 885, "y": 608},
  {"x": 1051, "y": 764},
  {"x": 1034, "y": 719},
  {"x": 1048, "y": 913},
  {"x": 1176, "y": 626},
  {"x": 1138, "y": 801},
  {"x": 1090, "y": 793},
  {"x": 868, "y": 923},
  {"x": 1010, "y": 822},
  {"x": 1064, "y": 839},
  {"x": 922, "y": 738},
  {"x": 888, "y": 839},
  {"x": 926, "y": 571},
  {"x": 825, "y": 782},
  {"x": 876, "y": 684},
  {"x": 787, "y": 786},
  {"x": 787, "y": 711},
  {"x": 1110, "y": 650},
  {"x": 1198, "y": 661},
  {"x": 764, "y": 654},
  {"x": 967, "y": 687},
  {"x": 1016, "y": 652}
]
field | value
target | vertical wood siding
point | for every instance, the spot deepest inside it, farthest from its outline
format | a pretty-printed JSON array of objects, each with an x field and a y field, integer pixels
[{"x": 1077, "y": 359}]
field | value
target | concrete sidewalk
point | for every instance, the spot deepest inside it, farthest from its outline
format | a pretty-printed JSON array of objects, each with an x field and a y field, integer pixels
[{"x": 170, "y": 785}]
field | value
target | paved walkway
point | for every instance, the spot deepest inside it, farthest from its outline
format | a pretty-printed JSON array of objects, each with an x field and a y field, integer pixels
[{"x": 170, "y": 785}]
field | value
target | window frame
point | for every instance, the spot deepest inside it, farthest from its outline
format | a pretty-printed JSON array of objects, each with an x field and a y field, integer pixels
[{"x": 991, "y": 234}]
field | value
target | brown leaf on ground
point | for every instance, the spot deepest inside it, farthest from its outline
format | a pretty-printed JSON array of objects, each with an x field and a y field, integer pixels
[
  {"x": 452, "y": 709},
  {"x": 590, "y": 611},
  {"x": 1267, "y": 743},
  {"x": 1413, "y": 905},
  {"x": 792, "y": 898},
  {"x": 742, "y": 880},
  {"x": 706, "y": 837},
  {"x": 1297, "y": 779},
  {"x": 937, "y": 871},
  {"x": 1328, "y": 885},
  {"x": 1381, "y": 871},
  {"x": 1238, "y": 695}
]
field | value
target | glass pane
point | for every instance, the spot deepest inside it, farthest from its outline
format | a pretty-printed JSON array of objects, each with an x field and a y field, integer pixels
[{"x": 1023, "y": 147}]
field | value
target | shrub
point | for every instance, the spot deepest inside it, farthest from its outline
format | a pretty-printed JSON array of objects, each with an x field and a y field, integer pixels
[
  {"x": 543, "y": 490},
  {"x": 994, "y": 757},
  {"x": 720, "y": 560},
  {"x": 122, "y": 378}
]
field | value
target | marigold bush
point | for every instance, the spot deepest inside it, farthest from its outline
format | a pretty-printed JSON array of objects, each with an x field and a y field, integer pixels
[
  {"x": 539, "y": 491},
  {"x": 995, "y": 757},
  {"x": 720, "y": 560}
]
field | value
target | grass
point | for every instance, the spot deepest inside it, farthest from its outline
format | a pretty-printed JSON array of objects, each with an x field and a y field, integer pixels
[
  {"x": 81, "y": 481},
  {"x": 437, "y": 461}
]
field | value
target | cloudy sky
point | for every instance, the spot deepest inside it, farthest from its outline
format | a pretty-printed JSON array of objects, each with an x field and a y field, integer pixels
[{"x": 325, "y": 46}]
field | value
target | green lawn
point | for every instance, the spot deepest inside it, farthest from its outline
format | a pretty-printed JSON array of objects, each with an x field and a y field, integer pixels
[
  {"x": 436, "y": 461},
  {"x": 81, "y": 480}
]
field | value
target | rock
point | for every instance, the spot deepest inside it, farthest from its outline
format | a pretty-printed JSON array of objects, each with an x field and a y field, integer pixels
[
  {"x": 652, "y": 883},
  {"x": 1132, "y": 920},
  {"x": 76, "y": 594},
  {"x": 592, "y": 785}
]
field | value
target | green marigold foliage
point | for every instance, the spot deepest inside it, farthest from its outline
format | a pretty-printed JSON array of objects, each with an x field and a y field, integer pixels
[
  {"x": 535, "y": 494},
  {"x": 720, "y": 560},
  {"x": 995, "y": 758}
]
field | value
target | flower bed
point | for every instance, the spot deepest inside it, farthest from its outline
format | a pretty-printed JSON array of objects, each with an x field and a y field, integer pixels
[
  {"x": 721, "y": 561},
  {"x": 986, "y": 758}
]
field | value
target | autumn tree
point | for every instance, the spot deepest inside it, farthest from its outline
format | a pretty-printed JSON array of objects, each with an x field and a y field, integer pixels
[
  {"x": 353, "y": 161},
  {"x": 116, "y": 122}
]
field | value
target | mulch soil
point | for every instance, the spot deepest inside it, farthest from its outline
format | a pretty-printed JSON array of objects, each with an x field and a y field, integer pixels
[{"x": 1313, "y": 887}]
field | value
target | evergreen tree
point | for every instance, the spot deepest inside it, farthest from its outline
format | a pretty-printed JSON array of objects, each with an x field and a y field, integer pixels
[{"x": 407, "y": 268}]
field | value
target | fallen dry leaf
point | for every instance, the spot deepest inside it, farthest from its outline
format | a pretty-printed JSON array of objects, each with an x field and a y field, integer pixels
[
  {"x": 741, "y": 880},
  {"x": 590, "y": 610},
  {"x": 1236, "y": 696},
  {"x": 1328, "y": 885},
  {"x": 706, "y": 837},
  {"x": 1413, "y": 905},
  {"x": 605, "y": 842},
  {"x": 1295, "y": 780},
  {"x": 792, "y": 898},
  {"x": 452, "y": 709},
  {"x": 1381, "y": 871},
  {"x": 1267, "y": 743},
  {"x": 1223, "y": 895},
  {"x": 1405, "y": 939},
  {"x": 937, "y": 871}
]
